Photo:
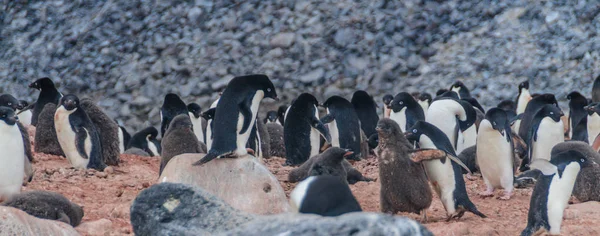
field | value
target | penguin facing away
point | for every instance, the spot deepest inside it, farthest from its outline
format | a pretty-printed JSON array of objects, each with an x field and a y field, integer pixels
[
  {"x": 146, "y": 141},
  {"x": 344, "y": 125},
  {"x": 577, "y": 117},
  {"x": 48, "y": 94},
  {"x": 171, "y": 107},
  {"x": 235, "y": 113},
  {"x": 510, "y": 107},
  {"x": 495, "y": 154},
  {"x": 405, "y": 110},
  {"x": 593, "y": 121},
  {"x": 323, "y": 195},
  {"x": 108, "y": 131},
  {"x": 11, "y": 144},
  {"x": 546, "y": 131},
  {"x": 179, "y": 139},
  {"x": 195, "y": 113},
  {"x": 46, "y": 140},
  {"x": 523, "y": 98},
  {"x": 77, "y": 135},
  {"x": 552, "y": 190},
  {"x": 447, "y": 113},
  {"x": 444, "y": 174},
  {"x": 302, "y": 129},
  {"x": 366, "y": 109},
  {"x": 24, "y": 112},
  {"x": 462, "y": 90},
  {"x": 387, "y": 99}
]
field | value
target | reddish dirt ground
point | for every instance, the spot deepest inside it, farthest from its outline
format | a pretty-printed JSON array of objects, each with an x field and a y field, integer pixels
[{"x": 109, "y": 196}]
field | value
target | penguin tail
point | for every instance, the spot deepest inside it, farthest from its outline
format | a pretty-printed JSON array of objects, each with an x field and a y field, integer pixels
[
  {"x": 211, "y": 155},
  {"x": 474, "y": 210}
]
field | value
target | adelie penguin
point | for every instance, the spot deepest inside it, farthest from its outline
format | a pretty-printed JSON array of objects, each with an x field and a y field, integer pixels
[
  {"x": 146, "y": 141},
  {"x": 124, "y": 138},
  {"x": 444, "y": 174},
  {"x": 387, "y": 99},
  {"x": 552, "y": 190},
  {"x": 523, "y": 98},
  {"x": 323, "y": 195},
  {"x": 13, "y": 154},
  {"x": 195, "y": 113},
  {"x": 209, "y": 115},
  {"x": 77, "y": 135},
  {"x": 531, "y": 110},
  {"x": 24, "y": 112},
  {"x": 331, "y": 162},
  {"x": 577, "y": 117},
  {"x": 405, "y": 110},
  {"x": 235, "y": 113},
  {"x": 302, "y": 129},
  {"x": 546, "y": 130},
  {"x": 366, "y": 109},
  {"x": 424, "y": 101},
  {"x": 462, "y": 90},
  {"x": 344, "y": 125},
  {"x": 495, "y": 154},
  {"x": 596, "y": 90},
  {"x": 593, "y": 121},
  {"x": 454, "y": 117},
  {"x": 281, "y": 112},
  {"x": 171, "y": 107},
  {"x": 48, "y": 94}
]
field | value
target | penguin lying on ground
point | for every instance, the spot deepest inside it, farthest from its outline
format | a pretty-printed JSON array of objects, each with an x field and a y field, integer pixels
[
  {"x": 108, "y": 131},
  {"x": 45, "y": 139},
  {"x": 146, "y": 141},
  {"x": 48, "y": 94},
  {"x": 344, "y": 125},
  {"x": 323, "y": 195},
  {"x": 179, "y": 139},
  {"x": 332, "y": 162},
  {"x": 47, "y": 205},
  {"x": 13, "y": 154}
]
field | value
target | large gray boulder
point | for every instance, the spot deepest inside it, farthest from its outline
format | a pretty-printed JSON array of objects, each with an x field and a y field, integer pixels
[
  {"x": 178, "y": 209},
  {"x": 16, "y": 222},
  {"x": 244, "y": 183}
]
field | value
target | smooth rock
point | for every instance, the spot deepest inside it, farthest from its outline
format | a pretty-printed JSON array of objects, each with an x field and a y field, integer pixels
[
  {"x": 97, "y": 227},
  {"x": 283, "y": 40},
  {"x": 17, "y": 222}
]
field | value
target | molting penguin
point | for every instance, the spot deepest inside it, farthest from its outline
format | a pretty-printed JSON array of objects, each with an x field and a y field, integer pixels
[
  {"x": 146, "y": 141},
  {"x": 462, "y": 90},
  {"x": 366, "y": 110},
  {"x": 344, "y": 125},
  {"x": 209, "y": 115},
  {"x": 276, "y": 139},
  {"x": 532, "y": 108},
  {"x": 108, "y": 131},
  {"x": 495, "y": 154},
  {"x": 46, "y": 140},
  {"x": 178, "y": 139},
  {"x": 325, "y": 196},
  {"x": 77, "y": 135},
  {"x": 523, "y": 98},
  {"x": 444, "y": 174},
  {"x": 301, "y": 130},
  {"x": 47, "y": 205},
  {"x": 48, "y": 94},
  {"x": 235, "y": 113},
  {"x": 24, "y": 112},
  {"x": 172, "y": 106},
  {"x": 546, "y": 131},
  {"x": 552, "y": 191},
  {"x": 281, "y": 112},
  {"x": 387, "y": 99},
  {"x": 195, "y": 112},
  {"x": 13, "y": 154},
  {"x": 577, "y": 117},
  {"x": 412, "y": 193},
  {"x": 424, "y": 101},
  {"x": 405, "y": 111}
]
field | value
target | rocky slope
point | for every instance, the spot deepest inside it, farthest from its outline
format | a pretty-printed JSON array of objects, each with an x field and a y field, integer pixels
[{"x": 129, "y": 54}]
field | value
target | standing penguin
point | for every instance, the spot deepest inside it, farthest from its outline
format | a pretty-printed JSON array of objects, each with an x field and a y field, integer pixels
[
  {"x": 235, "y": 113},
  {"x": 462, "y": 90},
  {"x": 510, "y": 107},
  {"x": 146, "y": 141},
  {"x": 532, "y": 108},
  {"x": 495, "y": 154},
  {"x": 77, "y": 135},
  {"x": 171, "y": 107},
  {"x": 577, "y": 117},
  {"x": 108, "y": 131},
  {"x": 302, "y": 128},
  {"x": 323, "y": 195},
  {"x": 412, "y": 193},
  {"x": 12, "y": 169},
  {"x": 48, "y": 94},
  {"x": 209, "y": 115},
  {"x": 178, "y": 139},
  {"x": 195, "y": 112},
  {"x": 405, "y": 110},
  {"x": 124, "y": 138},
  {"x": 344, "y": 125},
  {"x": 596, "y": 90},
  {"x": 552, "y": 190},
  {"x": 593, "y": 121},
  {"x": 523, "y": 98},
  {"x": 424, "y": 101},
  {"x": 448, "y": 114},
  {"x": 366, "y": 109},
  {"x": 259, "y": 140},
  {"x": 24, "y": 112},
  {"x": 281, "y": 112},
  {"x": 546, "y": 131},
  {"x": 387, "y": 99},
  {"x": 467, "y": 134},
  {"x": 276, "y": 141},
  {"x": 445, "y": 174}
]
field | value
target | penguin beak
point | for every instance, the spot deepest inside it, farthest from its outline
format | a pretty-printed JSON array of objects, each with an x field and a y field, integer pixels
[
  {"x": 348, "y": 153},
  {"x": 276, "y": 98}
]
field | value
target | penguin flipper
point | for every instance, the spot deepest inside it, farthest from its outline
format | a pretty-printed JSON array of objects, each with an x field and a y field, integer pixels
[
  {"x": 460, "y": 163},
  {"x": 80, "y": 136},
  {"x": 246, "y": 113},
  {"x": 327, "y": 119},
  {"x": 208, "y": 157},
  {"x": 319, "y": 126},
  {"x": 544, "y": 166}
]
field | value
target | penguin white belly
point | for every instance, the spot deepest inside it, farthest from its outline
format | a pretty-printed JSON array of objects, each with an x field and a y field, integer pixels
[
  {"x": 315, "y": 142},
  {"x": 494, "y": 156},
  {"x": 516, "y": 126},
  {"x": 400, "y": 118},
  {"x": 335, "y": 134},
  {"x": 197, "y": 125},
  {"x": 457, "y": 90},
  {"x": 549, "y": 134},
  {"x": 558, "y": 196},
  {"x": 121, "y": 141},
  {"x": 242, "y": 139},
  {"x": 152, "y": 147},
  {"x": 425, "y": 106},
  {"x": 25, "y": 117},
  {"x": 208, "y": 134},
  {"x": 593, "y": 127},
  {"x": 13, "y": 154},
  {"x": 67, "y": 138},
  {"x": 297, "y": 195},
  {"x": 523, "y": 101},
  {"x": 442, "y": 114},
  {"x": 469, "y": 139},
  {"x": 441, "y": 176}
]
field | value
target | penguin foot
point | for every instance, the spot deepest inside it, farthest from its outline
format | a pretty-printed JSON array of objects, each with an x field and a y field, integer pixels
[
  {"x": 250, "y": 151},
  {"x": 486, "y": 193},
  {"x": 457, "y": 215},
  {"x": 506, "y": 196},
  {"x": 424, "y": 219},
  {"x": 472, "y": 177}
]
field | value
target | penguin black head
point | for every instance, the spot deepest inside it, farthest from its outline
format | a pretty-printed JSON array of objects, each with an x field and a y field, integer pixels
[
  {"x": 563, "y": 159},
  {"x": 335, "y": 100},
  {"x": 547, "y": 98},
  {"x": 474, "y": 103},
  {"x": 258, "y": 82},
  {"x": 426, "y": 97},
  {"x": 593, "y": 108},
  {"x": 281, "y": 110},
  {"x": 70, "y": 102},
  {"x": 150, "y": 132},
  {"x": 387, "y": 99},
  {"x": 195, "y": 109},
  {"x": 507, "y": 105},
  {"x": 415, "y": 132},
  {"x": 402, "y": 100},
  {"x": 22, "y": 104},
  {"x": 386, "y": 128},
  {"x": 523, "y": 85},
  {"x": 209, "y": 114},
  {"x": 497, "y": 117},
  {"x": 42, "y": 84},
  {"x": 336, "y": 154},
  {"x": 7, "y": 100},
  {"x": 447, "y": 94},
  {"x": 271, "y": 116},
  {"x": 576, "y": 98},
  {"x": 7, "y": 115},
  {"x": 440, "y": 92},
  {"x": 551, "y": 111},
  {"x": 362, "y": 97},
  {"x": 172, "y": 100},
  {"x": 461, "y": 89}
]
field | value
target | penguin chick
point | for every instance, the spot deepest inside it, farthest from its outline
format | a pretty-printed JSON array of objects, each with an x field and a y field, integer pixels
[
  {"x": 302, "y": 172},
  {"x": 108, "y": 131},
  {"x": 179, "y": 139},
  {"x": 45, "y": 138},
  {"x": 47, "y": 205},
  {"x": 48, "y": 94},
  {"x": 276, "y": 139},
  {"x": 323, "y": 195}
]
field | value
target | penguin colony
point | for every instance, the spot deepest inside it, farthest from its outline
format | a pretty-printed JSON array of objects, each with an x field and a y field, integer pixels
[{"x": 423, "y": 144}]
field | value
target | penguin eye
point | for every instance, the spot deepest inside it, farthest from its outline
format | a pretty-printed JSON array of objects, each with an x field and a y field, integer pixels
[
  {"x": 268, "y": 89},
  {"x": 10, "y": 103},
  {"x": 582, "y": 160},
  {"x": 551, "y": 113},
  {"x": 415, "y": 131},
  {"x": 401, "y": 102},
  {"x": 494, "y": 123}
]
